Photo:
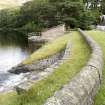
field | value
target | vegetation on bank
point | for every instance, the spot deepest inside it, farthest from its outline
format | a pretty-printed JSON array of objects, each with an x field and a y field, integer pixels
[
  {"x": 49, "y": 49},
  {"x": 38, "y": 15},
  {"x": 99, "y": 36},
  {"x": 45, "y": 88}
]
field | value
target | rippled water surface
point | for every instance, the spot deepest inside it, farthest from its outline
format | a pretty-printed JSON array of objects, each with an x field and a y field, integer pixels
[{"x": 13, "y": 49}]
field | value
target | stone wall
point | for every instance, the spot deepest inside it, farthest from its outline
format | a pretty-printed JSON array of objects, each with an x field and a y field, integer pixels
[
  {"x": 38, "y": 65},
  {"x": 34, "y": 77},
  {"x": 48, "y": 35},
  {"x": 53, "y": 33},
  {"x": 82, "y": 88}
]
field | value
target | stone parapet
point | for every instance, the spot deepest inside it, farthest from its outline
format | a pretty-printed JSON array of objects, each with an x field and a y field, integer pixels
[{"x": 83, "y": 87}]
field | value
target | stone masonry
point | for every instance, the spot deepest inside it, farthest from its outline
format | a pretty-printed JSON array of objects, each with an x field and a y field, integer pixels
[
  {"x": 82, "y": 88},
  {"x": 53, "y": 33},
  {"x": 38, "y": 65},
  {"x": 34, "y": 77},
  {"x": 49, "y": 34}
]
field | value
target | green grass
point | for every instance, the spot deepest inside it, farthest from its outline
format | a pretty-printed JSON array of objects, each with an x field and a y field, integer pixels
[
  {"x": 40, "y": 91},
  {"x": 99, "y": 36},
  {"x": 48, "y": 50}
]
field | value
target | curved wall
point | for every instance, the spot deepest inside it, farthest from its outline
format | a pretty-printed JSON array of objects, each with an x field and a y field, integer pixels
[{"x": 82, "y": 88}]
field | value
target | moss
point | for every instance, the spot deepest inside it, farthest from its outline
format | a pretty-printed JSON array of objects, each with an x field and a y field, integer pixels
[{"x": 45, "y": 88}]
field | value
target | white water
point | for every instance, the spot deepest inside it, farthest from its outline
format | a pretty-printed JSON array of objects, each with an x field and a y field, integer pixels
[{"x": 9, "y": 57}]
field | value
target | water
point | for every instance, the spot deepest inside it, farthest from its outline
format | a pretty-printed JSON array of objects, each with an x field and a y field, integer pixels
[{"x": 13, "y": 49}]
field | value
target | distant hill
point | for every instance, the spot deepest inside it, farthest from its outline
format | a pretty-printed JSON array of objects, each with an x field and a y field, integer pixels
[{"x": 11, "y": 3}]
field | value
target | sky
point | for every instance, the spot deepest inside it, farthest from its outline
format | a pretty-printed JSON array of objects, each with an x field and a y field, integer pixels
[{"x": 11, "y": 3}]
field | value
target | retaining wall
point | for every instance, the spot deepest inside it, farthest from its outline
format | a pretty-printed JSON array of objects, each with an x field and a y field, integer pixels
[
  {"x": 48, "y": 35},
  {"x": 34, "y": 77},
  {"x": 82, "y": 88},
  {"x": 38, "y": 65}
]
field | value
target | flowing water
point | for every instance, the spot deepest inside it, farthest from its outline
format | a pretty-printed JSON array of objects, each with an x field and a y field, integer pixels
[{"x": 13, "y": 49}]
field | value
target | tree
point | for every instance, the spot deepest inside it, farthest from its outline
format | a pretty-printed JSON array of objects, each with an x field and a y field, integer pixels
[{"x": 37, "y": 15}]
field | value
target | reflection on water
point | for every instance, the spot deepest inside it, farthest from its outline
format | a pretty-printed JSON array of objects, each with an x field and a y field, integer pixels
[
  {"x": 13, "y": 49},
  {"x": 11, "y": 56}
]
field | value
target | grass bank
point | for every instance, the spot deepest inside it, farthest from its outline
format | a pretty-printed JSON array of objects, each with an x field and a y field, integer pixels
[
  {"x": 99, "y": 36},
  {"x": 45, "y": 88},
  {"x": 48, "y": 50}
]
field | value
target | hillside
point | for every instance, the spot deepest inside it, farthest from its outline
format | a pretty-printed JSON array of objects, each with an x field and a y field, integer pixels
[{"x": 11, "y": 3}]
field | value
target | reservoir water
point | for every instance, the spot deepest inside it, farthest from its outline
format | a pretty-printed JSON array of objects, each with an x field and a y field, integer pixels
[{"x": 13, "y": 49}]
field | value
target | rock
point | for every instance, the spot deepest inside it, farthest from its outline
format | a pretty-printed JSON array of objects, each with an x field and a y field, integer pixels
[
  {"x": 19, "y": 69},
  {"x": 20, "y": 90}
]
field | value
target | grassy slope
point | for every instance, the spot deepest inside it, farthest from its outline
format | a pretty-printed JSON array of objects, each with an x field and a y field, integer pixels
[
  {"x": 45, "y": 88},
  {"x": 47, "y": 50},
  {"x": 99, "y": 36}
]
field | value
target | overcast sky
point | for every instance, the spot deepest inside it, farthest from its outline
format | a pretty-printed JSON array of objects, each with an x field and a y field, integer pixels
[{"x": 11, "y": 3}]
